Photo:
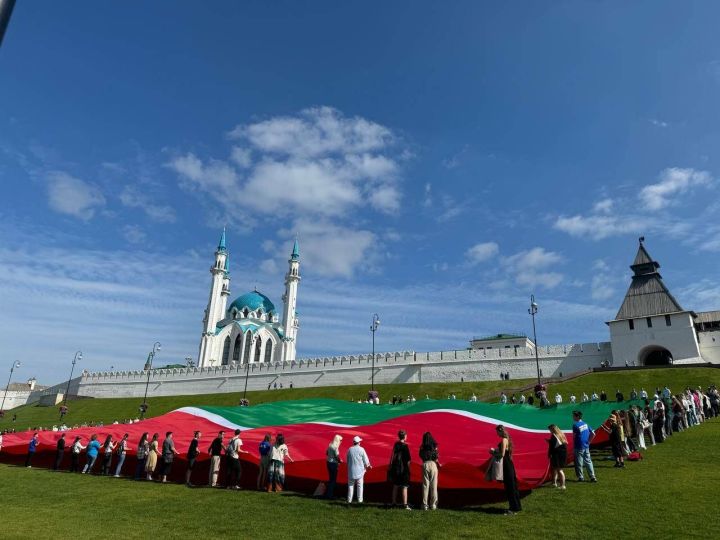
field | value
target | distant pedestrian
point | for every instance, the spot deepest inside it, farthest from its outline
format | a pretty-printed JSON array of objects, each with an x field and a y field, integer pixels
[
  {"x": 59, "y": 452},
  {"x": 504, "y": 451},
  {"x": 152, "y": 456},
  {"x": 276, "y": 472},
  {"x": 75, "y": 450},
  {"x": 357, "y": 463},
  {"x": 32, "y": 448},
  {"x": 429, "y": 455},
  {"x": 232, "y": 459},
  {"x": 142, "y": 451},
  {"x": 619, "y": 396},
  {"x": 108, "y": 448},
  {"x": 582, "y": 437},
  {"x": 333, "y": 461},
  {"x": 168, "y": 454},
  {"x": 399, "y": 470},
  {"x": 603, "y": 396},
  {"x": 557, "y": 452},
  {"x": 192, "y": 455},
  {"x": 93, "y": 448},
  {"x": 121, "y": 452},
  {"x": 215, "y": 451},
  {"x": 265, "y": 451}
]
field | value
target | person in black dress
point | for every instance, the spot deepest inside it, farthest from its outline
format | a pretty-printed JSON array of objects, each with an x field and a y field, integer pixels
[
  {"x": 192, "y": 455},
  {"x": 557, "y": 452},
  {"x": 616, "y": 441},
  {"x": 59, "y": 452},
  {"x": 399, "y": 469},
  {"x": 504, "y": 451}
]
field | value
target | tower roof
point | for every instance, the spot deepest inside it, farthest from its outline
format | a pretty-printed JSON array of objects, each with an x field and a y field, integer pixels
[
  {"x": 647, "y": 294},
  {"x": 221, "y": 244},
  {"x": 296, "y": 250}
]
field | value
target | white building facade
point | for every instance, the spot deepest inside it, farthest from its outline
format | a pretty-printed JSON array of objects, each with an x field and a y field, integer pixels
[{"x": 250, "y": 330}]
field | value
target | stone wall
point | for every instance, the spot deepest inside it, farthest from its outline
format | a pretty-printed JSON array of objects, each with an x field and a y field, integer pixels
[
  {"x": 398, "y": 367},
  {"x": 710, "y": 345}
]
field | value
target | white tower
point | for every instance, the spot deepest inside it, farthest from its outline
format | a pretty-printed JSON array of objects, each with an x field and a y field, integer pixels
[
  {"x": 290, "y": 321},
  {"x": 215, "y": 311}
]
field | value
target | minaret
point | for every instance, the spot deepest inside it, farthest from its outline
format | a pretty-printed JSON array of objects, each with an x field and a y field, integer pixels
[
  {"x": 290, "y": 321},
  {"x": 215, "y": 311}
]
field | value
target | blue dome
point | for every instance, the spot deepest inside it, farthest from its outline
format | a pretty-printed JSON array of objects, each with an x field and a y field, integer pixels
[{"x": 252, "y": 301}]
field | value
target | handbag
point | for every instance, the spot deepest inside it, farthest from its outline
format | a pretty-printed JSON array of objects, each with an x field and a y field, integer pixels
[{"x": 494, "y": 472}]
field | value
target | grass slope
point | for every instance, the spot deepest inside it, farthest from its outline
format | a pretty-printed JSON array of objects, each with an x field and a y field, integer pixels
[
  {"x": 108, "y": 410},
  {"x": 667, "y": 495}
]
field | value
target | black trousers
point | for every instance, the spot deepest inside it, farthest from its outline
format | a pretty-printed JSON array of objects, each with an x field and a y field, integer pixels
[
  {"x": 28, "y": 459},
  {"x": 58, "y": 459},
  {"x": 233, "y": 471},
  {"x": 510, "y": 481},
  {"x": 74, "y": 462}
]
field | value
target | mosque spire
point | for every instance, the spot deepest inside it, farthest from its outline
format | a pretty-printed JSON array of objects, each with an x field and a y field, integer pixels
[
  {"x": 296, "y": 250},
  {"x": 221, "y": 244}
]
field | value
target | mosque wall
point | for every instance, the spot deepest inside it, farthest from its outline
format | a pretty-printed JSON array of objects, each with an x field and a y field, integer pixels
[{"x": 397, "y": 367}]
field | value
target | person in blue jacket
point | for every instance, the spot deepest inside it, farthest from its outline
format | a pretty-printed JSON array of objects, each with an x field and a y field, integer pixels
[
  {"x": 32, "y": 449},
  {"x": 93, "y": 448}
]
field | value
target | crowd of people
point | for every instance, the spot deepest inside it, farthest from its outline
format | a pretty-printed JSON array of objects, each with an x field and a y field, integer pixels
[{"x": 629, "y": 430}]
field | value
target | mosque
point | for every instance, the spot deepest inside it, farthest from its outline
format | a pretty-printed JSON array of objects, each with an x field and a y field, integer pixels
[{"x": 251, "y": 329}]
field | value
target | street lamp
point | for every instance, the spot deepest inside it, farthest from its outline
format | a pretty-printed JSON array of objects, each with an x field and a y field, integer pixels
[
  {"x": 532, "y": 311},
  {"x": 78, "y": 356},
  {"x": 148, "y": 367},
  {"x": 373, "y": 328},
  {"x": 12, "y": 368},
  {"x": 247, "y": 364}
]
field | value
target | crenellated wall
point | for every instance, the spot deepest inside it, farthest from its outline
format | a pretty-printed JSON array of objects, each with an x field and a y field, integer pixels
[{"x": 398, "y": 367}]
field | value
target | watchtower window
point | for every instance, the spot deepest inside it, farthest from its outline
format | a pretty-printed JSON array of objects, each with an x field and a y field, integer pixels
[
  {"x": 649, "y": 321},
  {"x": 631, "y": 323},
  {"x": 668, "y": 321}
]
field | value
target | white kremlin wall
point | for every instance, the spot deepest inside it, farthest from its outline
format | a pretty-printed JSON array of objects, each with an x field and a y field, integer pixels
[{"x": 398, "y": 367}]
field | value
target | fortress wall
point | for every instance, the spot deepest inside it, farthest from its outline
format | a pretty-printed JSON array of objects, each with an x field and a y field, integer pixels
[{"x": 405, "y": 367}]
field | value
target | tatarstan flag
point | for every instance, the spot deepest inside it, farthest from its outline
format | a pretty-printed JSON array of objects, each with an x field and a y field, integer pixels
[{"x": 465, "y": 431}]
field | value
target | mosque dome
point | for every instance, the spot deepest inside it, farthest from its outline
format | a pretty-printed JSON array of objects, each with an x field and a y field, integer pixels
[{"x": 252, "y": 301}]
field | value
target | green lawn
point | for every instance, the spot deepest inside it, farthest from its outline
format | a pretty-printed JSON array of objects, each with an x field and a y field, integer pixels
[
  {"x": 107, "y": 410},
  {"x": 670, "y": 494}
]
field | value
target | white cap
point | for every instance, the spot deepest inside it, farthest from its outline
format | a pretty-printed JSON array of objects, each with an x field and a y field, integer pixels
[{"x": 357, "y": 439}]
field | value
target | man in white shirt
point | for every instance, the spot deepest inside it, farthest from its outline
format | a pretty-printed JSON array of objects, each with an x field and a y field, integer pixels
[
  {"x": 558, "y": 398},
  {"x": 643, "y": 393},
  {"x": 585, "y": 397},
  {"x": 357, "y": 462},
  {"x": 573, "y": 399}
]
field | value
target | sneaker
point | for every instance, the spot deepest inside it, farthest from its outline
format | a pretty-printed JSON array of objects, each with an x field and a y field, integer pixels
[
  {"x": 580, "y": 479},
  {"x": 425, "y": 507},
  {"x": 563, "y": 487},
  {"x": 593, "y": 480},
  {"x": 509, "y": 513},
  {"x": 407, "y": 507},
  {"x": 434, "y": 506},
  {"x": 116, "y": 476}
]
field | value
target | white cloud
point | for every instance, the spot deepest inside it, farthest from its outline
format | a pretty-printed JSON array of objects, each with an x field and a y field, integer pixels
[
  {"x": 72, "y": 196},
  {"x": 658, "y": 123},
  {"x": 599, "y": 227},
  {"x": 427, "y": 200},
  {"x": 673, "y": 181},
  {"x": 318, "y": 163},
  {"x": 242, "y": 157},
  {"x": 481, "y": 252},
  {"x": 532, "y": 267},
  {"x": 134, "y": 234},
  {"x": 133, "y": 198},
  {"x": 603, "y": 206}
]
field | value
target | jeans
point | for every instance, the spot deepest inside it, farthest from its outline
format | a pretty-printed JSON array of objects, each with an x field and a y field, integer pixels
[
  {"x": 332, "y": 468},
  {"x": 121, "y": 460},
  {"x": 89, "y": 465},
  {"x": 582, "y": 458},
  {"x": 429, "y": 484},
  {"x": 352, "y": 482}
]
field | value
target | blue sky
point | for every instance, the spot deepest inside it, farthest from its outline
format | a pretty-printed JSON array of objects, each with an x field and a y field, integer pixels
[{"x": 439, "y": 163}]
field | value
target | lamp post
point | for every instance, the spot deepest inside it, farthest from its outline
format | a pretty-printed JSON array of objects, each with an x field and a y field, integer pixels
[
  {"x": 148, "y": 367},
  {"x": 532, "y": 311},
  {"x": 15, "y": 365},
  {"x": 78, "y": 356},
  {"x": 373, "y": 328}
]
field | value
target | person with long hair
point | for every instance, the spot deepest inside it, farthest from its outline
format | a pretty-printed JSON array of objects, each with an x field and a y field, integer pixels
[
  {"x": 429, "y": 455},
  {"x": 504, "y": 451},
  {"x": 108, "y": 447},
  {"x": 557, "y": 452},
  {"x": 265, "y": 450},
  {"x": 616, "y": 442},
  {"x": 152, "y": 456},
  {"x": 142, "y": 450},
  {"x": 75, "y": 450},
  {"x": 333, "y": 461},
  {"x": 276, "y": 472},
  {"x": 122, "y": 453},
  {"x": 399, "y": 469}
]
